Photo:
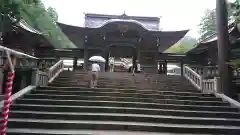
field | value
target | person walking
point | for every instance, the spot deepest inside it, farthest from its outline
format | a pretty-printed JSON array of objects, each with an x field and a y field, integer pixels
[{"x": 95, "y": 70}]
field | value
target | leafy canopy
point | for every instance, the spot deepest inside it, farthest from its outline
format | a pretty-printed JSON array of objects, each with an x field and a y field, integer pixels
[{"x": 35, "y": 14}]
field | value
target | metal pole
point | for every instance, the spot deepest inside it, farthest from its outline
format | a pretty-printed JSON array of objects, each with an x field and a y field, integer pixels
[{"x": 225, "y": 72}]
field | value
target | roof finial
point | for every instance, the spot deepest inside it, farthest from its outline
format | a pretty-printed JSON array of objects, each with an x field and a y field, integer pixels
[{"x": 124, "y": 13}]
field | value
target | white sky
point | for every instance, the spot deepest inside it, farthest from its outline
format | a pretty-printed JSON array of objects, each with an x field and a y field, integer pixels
[{"x": 175, "y": 14}]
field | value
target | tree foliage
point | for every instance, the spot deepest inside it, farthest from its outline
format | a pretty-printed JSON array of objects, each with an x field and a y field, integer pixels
[
  {"x": 9, "y": 15},
  {"x": 208, "y": 24},
  {"x": 183, "y": 46},
  {"x": 52, "y": 13},
  {"x": 44, "y": 20},
  {"x": 35, "y": 14},
  {"x": 235, "y": 8}
]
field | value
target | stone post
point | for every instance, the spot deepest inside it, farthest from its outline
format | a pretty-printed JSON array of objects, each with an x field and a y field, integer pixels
[{"x": 35, "y": 77}]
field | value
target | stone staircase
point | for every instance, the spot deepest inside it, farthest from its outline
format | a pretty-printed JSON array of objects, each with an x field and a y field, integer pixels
[
  {"x": 122, "y": 104},
  {"x": 120, "y": 69}
]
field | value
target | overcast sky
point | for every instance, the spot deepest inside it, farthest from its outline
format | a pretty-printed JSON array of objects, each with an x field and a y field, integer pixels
[{"x": 175, "y": 14}]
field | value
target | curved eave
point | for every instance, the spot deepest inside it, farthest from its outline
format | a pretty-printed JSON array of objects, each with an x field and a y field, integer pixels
[
  {"x": 109, "y": 23},
  {"x": 27, "y": 27},
  {"x": 69, "y": 29},
  {"x": 201, "y": 47},
  {"x": 123, "y": 15},
  {"x": 121, "y": 21},
  {"x": 169, "y": 38},
  {"x": 212, "y": 40}
]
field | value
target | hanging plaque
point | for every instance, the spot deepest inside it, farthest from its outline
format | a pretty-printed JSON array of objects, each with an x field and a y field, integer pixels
[{"x": 123, "y": 28}]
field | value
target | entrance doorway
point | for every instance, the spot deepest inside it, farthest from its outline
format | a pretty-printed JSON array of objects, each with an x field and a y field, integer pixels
[{"x": 120, "y": 57}]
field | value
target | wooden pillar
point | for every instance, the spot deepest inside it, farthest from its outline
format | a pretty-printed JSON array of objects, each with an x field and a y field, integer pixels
[
  {"x": 156, "y": 56},
  {"x": 135, "y": 56},
  {"x": 165, "y": 67},
  {"x": 225, "y": 72},
  {"x": 181, "y": 66},
  {"x": 107, "y": 60},
  {"x": 85, "y": 55}
]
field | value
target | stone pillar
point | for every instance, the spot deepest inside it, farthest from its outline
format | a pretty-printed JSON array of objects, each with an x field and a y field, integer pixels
[
  {"x": 225, "y": 72},
  {"x": 35, "y": 77}
]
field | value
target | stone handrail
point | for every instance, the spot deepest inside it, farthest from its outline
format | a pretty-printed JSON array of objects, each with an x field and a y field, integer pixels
[
  {"x": 205, "y": 85},
  {"x": 205, "y": 70},
  {"x": 54, "y": 71},
  {"x": 40, "y": 78},
  {"x": 125, "y": 62},
  {"x": 192, "y": 76},
  {"x": 17, "y": 53},
  {"x": 209, "y": 85}
]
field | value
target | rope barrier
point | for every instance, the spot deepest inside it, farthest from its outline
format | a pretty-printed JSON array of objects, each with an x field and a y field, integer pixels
[
  {"x": 7, "y": 103},
  {"x": 7, "y": 96}
]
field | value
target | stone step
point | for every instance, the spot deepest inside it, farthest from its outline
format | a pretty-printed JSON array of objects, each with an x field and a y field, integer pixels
[
  {"x": 100, "y": 86},
  {"x": 125, "y": 93},
  {"x": 108, "y": 89},
  {"x": 27, "y": 131},
  {"x": 124, "y": 110},
  {"x": 122, "y": 86},
  {"x": 125, "y": 126},
  {"x": 123, "y": 80},
  {"x": 77, "y": 97},
  {"x": 115, "y": 89},
  {"x": 123, "y": 118},
  {"x": 142, "y": 106},
  {"x": 119, "y": 82},
  {"x": 127, "y": 101},
  {"x": 129, "y": 82}
]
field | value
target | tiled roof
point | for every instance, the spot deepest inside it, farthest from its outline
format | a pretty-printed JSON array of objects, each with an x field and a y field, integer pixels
[
  {"x": 27, "y": 27},
  {"x": 117, "y": 16}
]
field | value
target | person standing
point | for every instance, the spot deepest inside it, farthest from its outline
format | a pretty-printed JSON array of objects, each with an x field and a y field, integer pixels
[
  {"x": 137, "y": 68},
  {"x": 111, "y": 67},
  {"x": 95, "y": 70}
]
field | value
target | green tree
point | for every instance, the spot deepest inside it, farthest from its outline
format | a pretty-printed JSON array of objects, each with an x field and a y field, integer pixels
[
  {"x": 208, "y": 24},
  {"x": 52, "y": 13},
  {"x": 44, "y": 20},
  {"x": 208, "y": 21},
  {"x": 235, "y": 9},
  {"x": 183, "y": 46},
  {"x": 9, "y": 16}
]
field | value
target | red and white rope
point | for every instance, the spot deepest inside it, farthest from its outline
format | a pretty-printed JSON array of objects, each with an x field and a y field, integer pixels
[{"x": 7, "y": 103}]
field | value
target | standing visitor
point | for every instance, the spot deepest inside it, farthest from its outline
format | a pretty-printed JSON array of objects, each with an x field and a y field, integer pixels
[
  {"x": 95, "y": 70},
  {"x": 111, "y": 67}
]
